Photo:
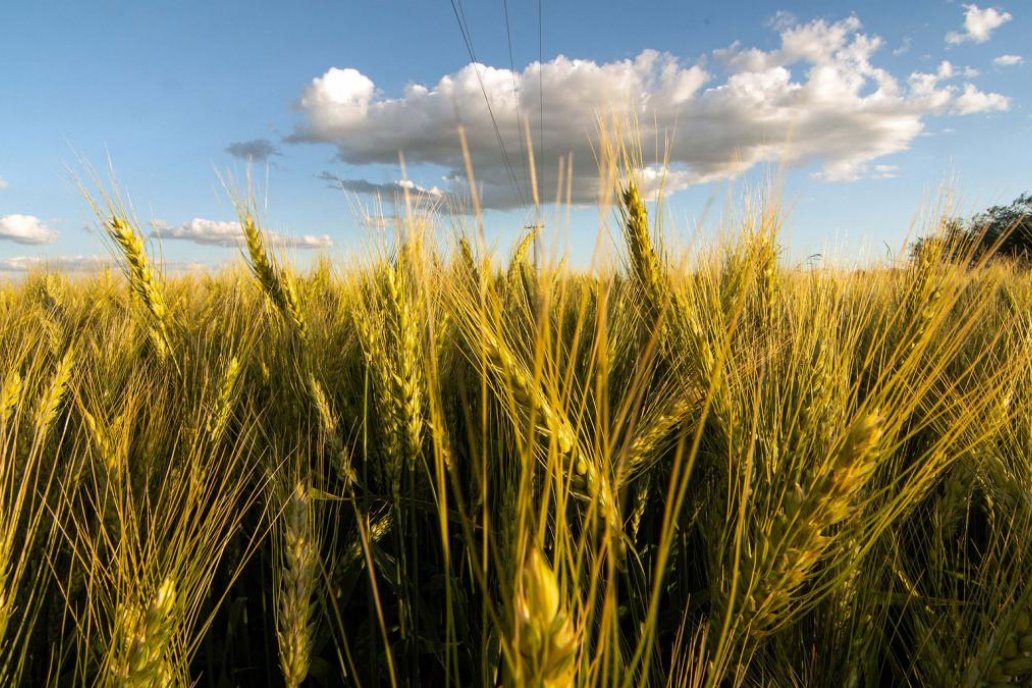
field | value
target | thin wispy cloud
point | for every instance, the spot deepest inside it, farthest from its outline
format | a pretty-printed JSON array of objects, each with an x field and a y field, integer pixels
[
  {"x": 818, "y": 98},
  {"x": 1008, "y": 60},
  {"x": 255, "y": 150},
  {"x": 386, "y": 190},
  {"x": 62, "y": 263},
  {"x": 3, "y": 184},
  {"x": 885, "y": 171},
  {"x": 904, "y": 47},
  {"x": 87, "y": 263},
  {"x": 230, "y": 234},
  {"x": 979, "y": 24},
  {"x": 25, "y": 229}
]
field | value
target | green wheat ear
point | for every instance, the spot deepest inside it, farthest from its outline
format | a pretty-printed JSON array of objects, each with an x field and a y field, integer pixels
[
  {"x": 146, "y": 634},
  {"x": 544, "y": 635}
]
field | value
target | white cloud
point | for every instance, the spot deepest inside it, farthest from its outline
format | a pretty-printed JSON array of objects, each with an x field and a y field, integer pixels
[
  {"x": 971, "y": 100},
  {"x": 851, "y": 172},
  {"x": 25, "y": 229},
  {"x": 885, "y": 171},
  {"x": 64, "y": 263},
  {"x": 948, "y": 70},
  {"x": 819, "y": 97},
  {"x": 3, "y": 184},
  {"x": 979, "y": 24},
  {"x": 904, "y": 47},
  {"x": 1008, "y": 60},
  {"x": 216, "y": 233}
]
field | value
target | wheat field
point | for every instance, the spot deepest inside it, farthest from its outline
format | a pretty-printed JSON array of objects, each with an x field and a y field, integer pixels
[{"x": 448, "y": 467}]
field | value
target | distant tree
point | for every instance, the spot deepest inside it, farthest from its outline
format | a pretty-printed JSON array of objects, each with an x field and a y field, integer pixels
[
  {"x": 1011, "y": 226},
  {"x": 1004, "y": 230},
  {"x": 947, "y": 244}
]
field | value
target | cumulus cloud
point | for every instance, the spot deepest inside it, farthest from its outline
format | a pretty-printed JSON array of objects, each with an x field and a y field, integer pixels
[
  {"x": 3, "y": 183},
  {"x": 217, "y": 233},
  {"x": 971, "y": 100},
  {"x": 1008, "y": 60},
  {"x": 25, "y": 229},
  {"x": 979, "y": 24},
  {"x": 65, "y": 263},
  {"x": 256, "y": 150},
  {"x": 818, "y": 98}
]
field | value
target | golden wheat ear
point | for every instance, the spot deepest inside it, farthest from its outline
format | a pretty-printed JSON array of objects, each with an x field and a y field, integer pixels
[
  {"x": 275, "y": 282},
  {"x": 298, "y": 577},
  {"x": 143, "y": 279}
]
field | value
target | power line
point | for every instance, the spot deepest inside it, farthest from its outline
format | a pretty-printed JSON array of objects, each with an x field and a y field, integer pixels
[
  {"x": 467, "y": 38},
  {"x": 541, "y": 87},
  {"x": 512, "y": 72}
]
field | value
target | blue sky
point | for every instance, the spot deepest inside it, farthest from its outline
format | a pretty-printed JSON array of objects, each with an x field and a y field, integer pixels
[{"x": 879, "y": 103}]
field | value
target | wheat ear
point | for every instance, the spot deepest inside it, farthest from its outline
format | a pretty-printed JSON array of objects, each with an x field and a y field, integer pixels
[
  {"x": 276, "y": 284},
  {"x": 407, "y": 383},
  {"x": 545, "y": 636},
  {"x": 780, "y": 563},
  {"x": 328, "y": 422},
  {"x": 9, "y": 395},
  {"x": 145, "y": 636},
  {"x": 645, "y": 262},
  {"x": 552, "y": 424},
  {"x": 295, "y": 627},
  {"x": 49, "y": 405},
  {"x": 143, "y": 279},
  {"x": 224, "y": 403}
]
